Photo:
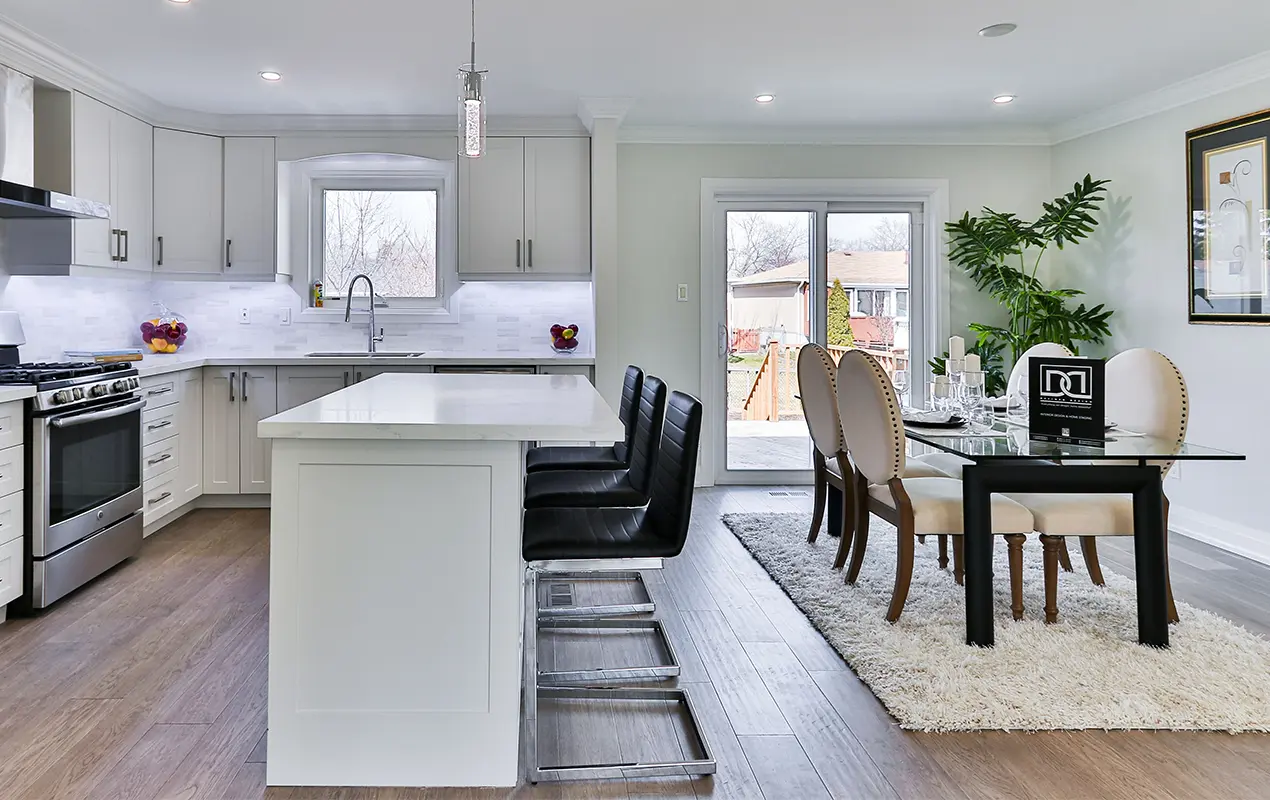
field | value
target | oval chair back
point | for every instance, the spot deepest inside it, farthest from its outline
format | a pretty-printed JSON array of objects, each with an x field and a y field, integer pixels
[
  {"x": 1018, "y": 375},
  {"x": 870, "y": 414},
  {"x": 632, "y": 385},
  {"x": 670, "y": 507},
  {"x": 1147, "y": 393},
  {"x": 817, "y": 375},
  {"x": 648, "y": 423}
]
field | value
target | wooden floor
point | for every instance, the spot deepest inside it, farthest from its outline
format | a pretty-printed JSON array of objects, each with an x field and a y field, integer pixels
[{"x": 150, "y": 683}]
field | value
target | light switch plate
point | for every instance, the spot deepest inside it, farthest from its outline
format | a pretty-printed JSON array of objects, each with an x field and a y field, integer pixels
[
  {"x": 244, "y": 316},
  {"x": 683, "y": 293},
  {"x": 284, "y": 317}
]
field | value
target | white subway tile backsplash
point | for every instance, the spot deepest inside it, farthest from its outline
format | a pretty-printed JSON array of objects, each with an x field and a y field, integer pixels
[{"x": 61, "y": 313}]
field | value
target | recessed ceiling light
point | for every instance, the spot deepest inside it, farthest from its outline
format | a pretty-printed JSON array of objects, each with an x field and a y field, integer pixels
[
  {"x": 179, "y": 2},
  {"x": 1003, "y": 99},
  {"x": 1000, "y": 29},
  {"x": 271, "y": 76},
  {"x": 764, "y": 98}
]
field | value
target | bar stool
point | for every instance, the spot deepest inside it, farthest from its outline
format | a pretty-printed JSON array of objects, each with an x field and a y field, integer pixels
[
  {"x": 540, "y": 459},
  {"x": 614, "y": 540}
]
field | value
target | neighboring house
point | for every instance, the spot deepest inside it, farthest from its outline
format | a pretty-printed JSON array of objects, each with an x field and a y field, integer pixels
[{"x": 776, "y": 303}]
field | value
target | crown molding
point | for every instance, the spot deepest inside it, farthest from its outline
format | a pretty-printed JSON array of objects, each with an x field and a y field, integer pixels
[
  {"x": 811, "y": 135},
  {"x": 1223, "y": 79},
  {"x": 592, "y": 108}
]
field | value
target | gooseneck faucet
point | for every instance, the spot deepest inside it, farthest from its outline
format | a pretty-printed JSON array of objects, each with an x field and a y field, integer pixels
[{"x": 348, "y": 311}]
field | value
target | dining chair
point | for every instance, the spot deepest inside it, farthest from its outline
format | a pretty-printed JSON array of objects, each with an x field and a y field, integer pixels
[
  {"x": 871, "y": 419},
  {"x": 817, "y": 390},
  {"x": 1146, "y": 394}
]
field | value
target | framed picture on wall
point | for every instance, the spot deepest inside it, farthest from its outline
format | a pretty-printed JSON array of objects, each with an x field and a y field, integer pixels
[{"x": 1228, "y": 185}]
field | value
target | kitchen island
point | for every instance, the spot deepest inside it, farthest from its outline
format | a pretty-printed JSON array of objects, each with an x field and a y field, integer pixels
[{"x": 396, "y": 583}]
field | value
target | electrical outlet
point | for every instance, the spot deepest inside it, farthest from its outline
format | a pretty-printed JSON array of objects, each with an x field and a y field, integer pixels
[
  {"x": 683, "y": 293},
  {"x": 244, "y": 316},
  {"x": 284, "y": 317}
]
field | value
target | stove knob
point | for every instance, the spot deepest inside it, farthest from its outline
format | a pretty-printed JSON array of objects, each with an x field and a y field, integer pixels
[
  {"x": 97, "y": 391},
  {"x": 133, "y": 383},
  {"x": 119, "y": 386},
  {"x": 77, "y": 394},
  {"x": 64, "y": 396}
]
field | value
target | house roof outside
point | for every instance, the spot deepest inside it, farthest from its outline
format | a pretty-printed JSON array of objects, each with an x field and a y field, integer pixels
[{"x": 853, "y": 268}]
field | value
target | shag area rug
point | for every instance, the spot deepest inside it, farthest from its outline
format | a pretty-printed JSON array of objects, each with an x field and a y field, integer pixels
[{"x": 1086, "y": 671}]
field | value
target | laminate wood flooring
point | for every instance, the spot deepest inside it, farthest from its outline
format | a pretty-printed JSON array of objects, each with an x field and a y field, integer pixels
[{"x": 151, "y": 683}]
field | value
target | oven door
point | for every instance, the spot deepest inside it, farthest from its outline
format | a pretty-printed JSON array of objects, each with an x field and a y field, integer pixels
[{"x": 86, "y": 473}]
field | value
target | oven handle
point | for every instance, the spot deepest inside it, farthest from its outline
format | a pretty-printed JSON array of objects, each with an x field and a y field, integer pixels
[{"x": 71, "y": 420}]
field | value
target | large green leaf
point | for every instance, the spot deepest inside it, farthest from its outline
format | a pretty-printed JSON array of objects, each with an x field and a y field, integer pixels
[{"x": 1070, "y": 218}]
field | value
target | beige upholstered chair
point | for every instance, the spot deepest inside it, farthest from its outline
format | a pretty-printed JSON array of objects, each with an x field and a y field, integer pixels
[
  {"x": 870, "y": 415},
  {"x": 816, "y": 376},
  {"x": 1146, "y": 394}
]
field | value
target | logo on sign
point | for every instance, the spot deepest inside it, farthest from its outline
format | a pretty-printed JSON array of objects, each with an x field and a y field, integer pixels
[{"x": 1069, "y": 383}]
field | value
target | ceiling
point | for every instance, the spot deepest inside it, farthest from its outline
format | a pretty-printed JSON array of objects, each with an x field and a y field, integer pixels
[{"x": 831, "y": 63}]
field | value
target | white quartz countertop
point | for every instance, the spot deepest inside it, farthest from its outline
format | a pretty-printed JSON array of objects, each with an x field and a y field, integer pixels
[
  {"x": 545, "y": 408},
  {"x": 176, "y": 362},
  {"x": 10, "y": 393}
]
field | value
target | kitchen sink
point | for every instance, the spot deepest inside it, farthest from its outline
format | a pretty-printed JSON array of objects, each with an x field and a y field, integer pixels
[{"x": 364, "y": 354}]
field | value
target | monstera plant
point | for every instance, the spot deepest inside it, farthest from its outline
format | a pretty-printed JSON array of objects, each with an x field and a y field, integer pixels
[{"x": 1002, "y": 254}]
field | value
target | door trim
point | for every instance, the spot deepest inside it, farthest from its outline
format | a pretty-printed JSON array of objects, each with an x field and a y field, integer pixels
[{"x": 931, "y": 193}]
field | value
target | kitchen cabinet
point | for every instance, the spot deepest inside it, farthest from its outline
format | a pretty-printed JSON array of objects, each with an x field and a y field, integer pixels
[
  {"x": 235, "y": 460},
  {"x": 190, "y": 421},
  {"x": 300, "y": 385},
  {"x": 250, "y": 198},
  {"x": 112, "y": 162},
  {"x": 188, "y": 203},
  {"x": 525, "y": 208},
  {"x": 12, "y": 541}
]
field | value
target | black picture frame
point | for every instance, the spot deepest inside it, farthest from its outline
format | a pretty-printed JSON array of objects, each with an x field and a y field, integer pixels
[{"x": 1228, "y": 195}]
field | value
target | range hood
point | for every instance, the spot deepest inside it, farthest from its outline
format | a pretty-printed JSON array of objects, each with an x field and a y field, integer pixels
[{"x": 18, "y": 198}]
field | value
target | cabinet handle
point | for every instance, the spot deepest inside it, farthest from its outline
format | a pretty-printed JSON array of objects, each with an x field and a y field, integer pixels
[
  {"x": 345, "y": 379},
  {"x": 126, "y": 247},
  {"x": 160, "y": 261},
  {"x": 160, "y": 498},
  {"x": 165, "y": 423},
  {"x": 233, "y": 376},
  {"x": 245, "y": 377},
  {"x": 114, "y": 255},
  {"x": 164, "y": 390},
  {"x": 228, "y": 261},
  {"x": 160, "y": 459},
  {"x": 517, "y": 254},
  {"x": 359, "y": 376},
  {"x": 531, "y": 253}
]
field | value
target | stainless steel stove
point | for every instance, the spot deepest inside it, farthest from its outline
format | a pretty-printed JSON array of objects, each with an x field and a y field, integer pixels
[{"x": 83, "y": 473}]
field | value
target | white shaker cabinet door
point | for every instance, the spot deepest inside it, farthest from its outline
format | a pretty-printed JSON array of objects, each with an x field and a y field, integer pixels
[
  {"x": 491, "y": 209},
  {"x": 90, "y": 179},
  {"x": 558, "y": 206},
  {"x": 188, "y": 206},
  {"x": 190, "y": 421},
  {"x": 259, "y": 401},
  {"x": 300, "y": 385},
  {"x": 133, "y": 206},
  {"x": 251, "y": 205},
  {"x": 222, "y": 437}
]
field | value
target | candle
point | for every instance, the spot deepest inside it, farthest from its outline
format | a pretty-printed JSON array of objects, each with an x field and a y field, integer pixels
[
  {"x": 956, "y": 347},
  {"x": 973, "y": 364}
]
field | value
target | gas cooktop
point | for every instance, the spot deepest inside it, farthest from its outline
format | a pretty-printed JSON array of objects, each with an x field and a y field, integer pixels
[{"x": 69, "y": 373}]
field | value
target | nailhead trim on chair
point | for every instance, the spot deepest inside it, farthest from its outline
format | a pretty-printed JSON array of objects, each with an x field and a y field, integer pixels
[
  {"x": 892, "y": 410},
  {"x": 831, "y": 369},
  {"x": 1186, "y": 408}
]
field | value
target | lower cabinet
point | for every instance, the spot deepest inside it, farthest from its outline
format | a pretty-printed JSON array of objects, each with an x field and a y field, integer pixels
[
  {"x": 235, "y": 460},
  {"x": 190, "y": 421},
  {"x": 300, "y": 385}
]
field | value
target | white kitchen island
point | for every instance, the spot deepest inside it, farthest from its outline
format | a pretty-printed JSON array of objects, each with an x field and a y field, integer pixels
[{"x": 396, "y": 594}]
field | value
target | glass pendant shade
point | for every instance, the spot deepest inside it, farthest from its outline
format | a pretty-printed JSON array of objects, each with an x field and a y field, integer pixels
[{"x": 471, "y": 111}]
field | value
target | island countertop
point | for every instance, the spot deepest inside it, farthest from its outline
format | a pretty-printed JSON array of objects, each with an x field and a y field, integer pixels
[{"x": 545, "y": 408}]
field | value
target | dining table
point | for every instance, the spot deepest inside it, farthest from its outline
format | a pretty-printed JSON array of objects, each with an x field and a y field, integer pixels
[{"x": 1007, "y": 460}]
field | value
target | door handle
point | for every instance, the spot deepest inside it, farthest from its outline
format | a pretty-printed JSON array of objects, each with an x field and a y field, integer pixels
[
  {"x": 228, "y": 261},
  {"x": 160, "y": 261},
  {"x": 233, "y": 376},
  {"x": 517, "y": 254},
  {"x": 723, "y": 340},
  {"x": 117, "y": 249},
  {"x": 530, "y": 248},
  {"x": 126, "y": 246}
]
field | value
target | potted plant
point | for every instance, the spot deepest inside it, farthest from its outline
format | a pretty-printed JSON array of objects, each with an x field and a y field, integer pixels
[{"x": 1002, "y": 253}]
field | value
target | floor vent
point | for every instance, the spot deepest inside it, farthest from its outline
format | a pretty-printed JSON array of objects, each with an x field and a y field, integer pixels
[
  {"x": 559, "y": 594},
  {"x": 789, "y": 494}
]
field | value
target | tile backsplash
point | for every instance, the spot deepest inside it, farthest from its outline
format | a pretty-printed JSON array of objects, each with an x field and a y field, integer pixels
[{"x": 496, "y": 318}]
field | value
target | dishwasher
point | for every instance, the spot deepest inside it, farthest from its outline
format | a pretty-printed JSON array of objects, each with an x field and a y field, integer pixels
[{"x": 485, "y": 370}]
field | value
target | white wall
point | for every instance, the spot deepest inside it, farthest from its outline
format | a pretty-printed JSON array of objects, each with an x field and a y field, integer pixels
[
  {"x": 659, "y": 222},
  {"x": 1137, "y": 263}
]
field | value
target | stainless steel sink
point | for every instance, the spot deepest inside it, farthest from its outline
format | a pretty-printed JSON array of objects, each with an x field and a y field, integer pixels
[{"x": 364, "y": 354}]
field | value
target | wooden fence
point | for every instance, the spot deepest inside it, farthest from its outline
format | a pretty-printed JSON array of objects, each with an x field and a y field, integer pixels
[{"x": 773, "y": 385}]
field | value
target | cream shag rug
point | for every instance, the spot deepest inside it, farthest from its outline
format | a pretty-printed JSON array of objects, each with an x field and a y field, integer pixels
[{"x": 1087, "y": 671}]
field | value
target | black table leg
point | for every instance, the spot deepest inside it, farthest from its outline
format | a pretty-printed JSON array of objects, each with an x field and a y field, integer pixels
[
  {"x": 835, "y": 511},
  {"x": 1151, "y": 560},
  {"x": 977, "y": 533}
]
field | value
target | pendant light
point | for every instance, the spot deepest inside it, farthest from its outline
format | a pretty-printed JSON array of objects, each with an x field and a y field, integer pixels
[{"x": 472, "y": 103}]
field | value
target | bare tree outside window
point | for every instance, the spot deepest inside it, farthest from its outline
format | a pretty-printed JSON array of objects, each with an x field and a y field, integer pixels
[
  {"x": 759, "y": 241},
  {"x": 389, "y": 235},
  {"x": 889, "y": 235}
]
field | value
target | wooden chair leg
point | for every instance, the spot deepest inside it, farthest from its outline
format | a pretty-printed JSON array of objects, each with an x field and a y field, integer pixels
[
  {"x": 943, "y": 551},
  {"x": 1052, "y": 545},
  {"x": 1014, "y": 544},
  {"x": 1065, "y": 558},
  {"x": 959, "y": 560},
  {"x": 903, "y": 571},
  {"x": 921, "y": 538},
  {"x": 844, "y": 549},
  {"x": 821, "y": 497},
  {"x": 1089, "y": 549},
  {"x": 861, "y": 537}
]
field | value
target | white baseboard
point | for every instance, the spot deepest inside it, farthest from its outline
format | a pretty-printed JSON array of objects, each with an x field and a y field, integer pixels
[
  {"x": 233, "y": 501},
  {"x": 167, "y": 519},
  {"x": 1230, "y": 536}
]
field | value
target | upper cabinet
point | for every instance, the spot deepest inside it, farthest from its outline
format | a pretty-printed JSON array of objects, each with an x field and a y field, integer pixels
[
  {"x": 112, "y": 162},
  {"x": 251, "y": 208},
  {"x": 188, "y": 203},
  {"x": 525, "y": 208}
]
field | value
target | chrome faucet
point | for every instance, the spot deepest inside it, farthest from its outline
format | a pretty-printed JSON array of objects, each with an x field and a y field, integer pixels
[{"x": 371, "y": 338}]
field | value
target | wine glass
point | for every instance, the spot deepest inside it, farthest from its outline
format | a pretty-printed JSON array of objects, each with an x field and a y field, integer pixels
[
  {"x": 899, "y": 379},
  {"x": 974, "y": 401}
]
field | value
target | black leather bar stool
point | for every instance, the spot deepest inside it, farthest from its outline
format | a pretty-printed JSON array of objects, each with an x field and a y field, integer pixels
[
  {"x": 569, "y": 540},
  {"x": 618, "y": 456},
  {"x": 594, "y": 488}
]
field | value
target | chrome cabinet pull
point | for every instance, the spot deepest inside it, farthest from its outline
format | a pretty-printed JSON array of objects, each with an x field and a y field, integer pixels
[
  {"x": 160, "y": 498},
  {"x": 345, "y": 379},
  {"x": 127, "y": 248},
  {"x": 517, "y": 254},
  {"x": 160, "y": 263},
  {"x": 228, "y": 261},
  {"x": 246, "y": 375},
  {"x": 117, "y": 249},
  {"x": 359, "y": 376},
  {"x": 154, "y": 392},
  {"x": 165, "y": 423},
  {"x": 233, "y": 376},
  {"x": 160, "y": 459},
  {"x": 531, "y": 253}
]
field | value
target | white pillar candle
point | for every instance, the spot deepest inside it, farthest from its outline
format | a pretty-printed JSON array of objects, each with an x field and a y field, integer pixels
[
  {"x": 956, "y": 347},
  {"x": 973, "y": 364}
]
